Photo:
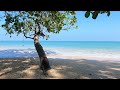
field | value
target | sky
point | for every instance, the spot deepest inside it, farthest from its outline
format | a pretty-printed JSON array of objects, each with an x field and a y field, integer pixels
[{"x": 103, "y": 28}]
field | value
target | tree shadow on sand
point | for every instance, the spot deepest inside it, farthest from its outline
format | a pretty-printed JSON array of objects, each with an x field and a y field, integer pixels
[
  {"x": 85, "y": 69},
  {"x": 28, "y": 68},
  {"x": 19, "y": 68}
]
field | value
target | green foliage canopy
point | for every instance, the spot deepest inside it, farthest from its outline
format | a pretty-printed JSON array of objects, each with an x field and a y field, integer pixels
[{"x": 42, "y": 23}]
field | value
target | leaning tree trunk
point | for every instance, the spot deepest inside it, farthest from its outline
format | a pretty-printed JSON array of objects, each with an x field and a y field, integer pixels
[{"x": 43, "y": 58}]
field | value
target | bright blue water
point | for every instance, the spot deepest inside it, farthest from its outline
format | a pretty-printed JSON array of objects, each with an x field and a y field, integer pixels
[
  {"x": 106, "y": 49},
  {"x": 66, "y": 44}
]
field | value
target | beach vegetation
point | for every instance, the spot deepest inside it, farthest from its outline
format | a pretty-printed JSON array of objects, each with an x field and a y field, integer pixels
[{"x": 39, "y": 24}]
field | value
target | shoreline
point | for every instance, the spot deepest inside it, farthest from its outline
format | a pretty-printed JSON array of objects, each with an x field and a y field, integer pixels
[
  {"x": 80, "y": 54},
  {"x": 64, "y": 67}
]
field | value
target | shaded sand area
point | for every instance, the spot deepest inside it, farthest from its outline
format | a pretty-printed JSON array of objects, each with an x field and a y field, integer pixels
[{"x": 63, "y": 68}]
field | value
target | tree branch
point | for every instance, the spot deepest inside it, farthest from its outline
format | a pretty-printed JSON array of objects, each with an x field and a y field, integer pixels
[
  {"x": 35, "y": 28},
  {"x": 32, "y": 34},
  {"x": 40, "y": 31},
  {"x": 27, "y": 36}
]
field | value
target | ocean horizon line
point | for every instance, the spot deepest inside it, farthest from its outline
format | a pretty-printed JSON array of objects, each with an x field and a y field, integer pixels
[{"x": 55, "y": 41}]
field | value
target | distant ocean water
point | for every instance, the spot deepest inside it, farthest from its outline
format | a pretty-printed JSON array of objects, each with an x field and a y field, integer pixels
[{"x": 100, "y": 49}]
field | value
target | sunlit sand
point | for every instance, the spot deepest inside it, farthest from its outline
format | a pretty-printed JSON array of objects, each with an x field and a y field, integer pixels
[{"x": 63, "y": 67}]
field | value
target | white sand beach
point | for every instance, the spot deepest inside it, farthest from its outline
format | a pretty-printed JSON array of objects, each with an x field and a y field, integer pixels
[{"x": 63, "y": 67}]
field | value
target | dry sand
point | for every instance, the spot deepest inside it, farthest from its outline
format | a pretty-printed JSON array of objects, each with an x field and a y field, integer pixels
[{"x": 63, "y": 67}]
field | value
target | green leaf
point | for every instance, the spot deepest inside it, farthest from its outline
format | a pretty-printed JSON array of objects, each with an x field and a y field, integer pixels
[
  {"x": 87, "y": 14},
  {"x": 3, "y": 25},
  {"x": 95, "y": 14},
  {"x": 102, "y": 12},
  {"x": 108, "y": 13},
  {"x": 76, "y": 27}
]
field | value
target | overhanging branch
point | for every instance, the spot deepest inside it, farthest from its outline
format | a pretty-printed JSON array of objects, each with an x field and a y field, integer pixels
[
  {"x": 40, "y": 31},
  {"x": 27, "y": 36}
]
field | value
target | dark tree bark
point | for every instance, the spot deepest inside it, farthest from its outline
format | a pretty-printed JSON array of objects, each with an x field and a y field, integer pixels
[{"x": 41, "y": 53}]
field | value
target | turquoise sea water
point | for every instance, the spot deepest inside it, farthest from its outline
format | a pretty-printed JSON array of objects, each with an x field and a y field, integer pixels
[
  {"x": 106, "y": 49},
  {"x": 66, "y": 44}
]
